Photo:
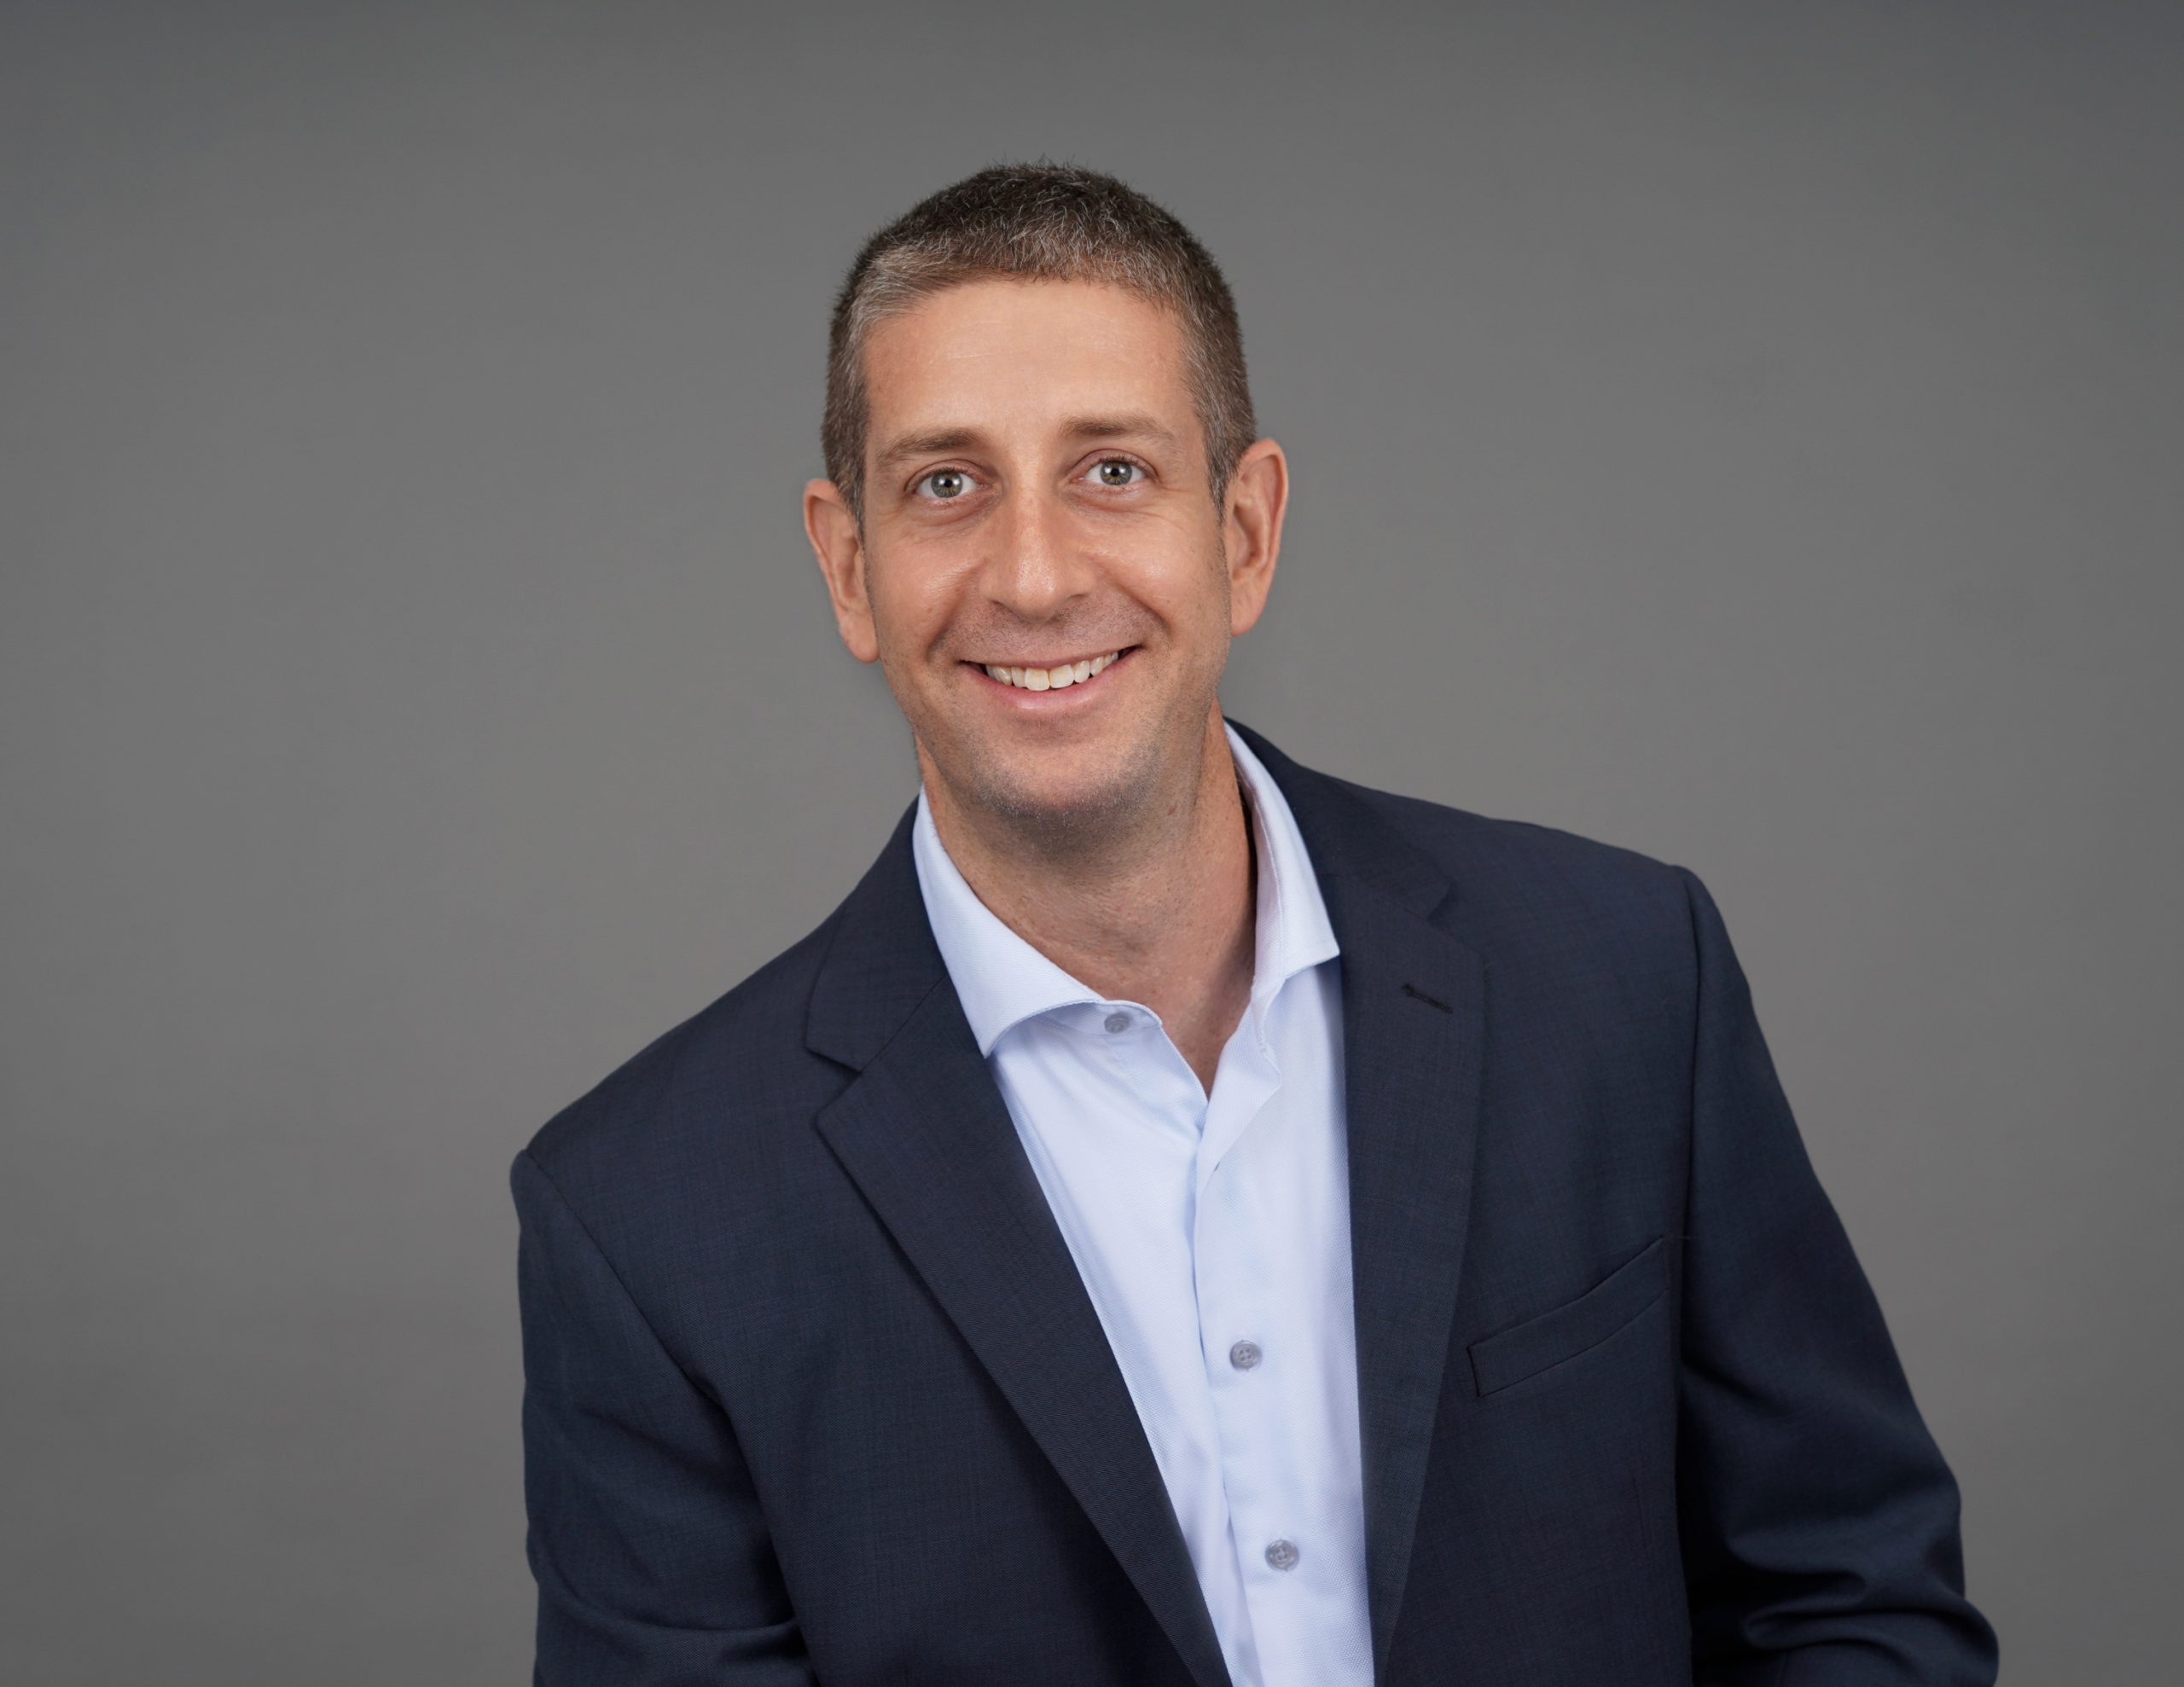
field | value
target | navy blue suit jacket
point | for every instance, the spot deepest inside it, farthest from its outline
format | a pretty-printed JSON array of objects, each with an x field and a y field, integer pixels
[{"x": 814, "y": 1392}]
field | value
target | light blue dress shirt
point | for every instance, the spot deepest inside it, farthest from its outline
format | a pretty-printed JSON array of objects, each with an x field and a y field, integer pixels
[{"x": 1213, "y": 1236}]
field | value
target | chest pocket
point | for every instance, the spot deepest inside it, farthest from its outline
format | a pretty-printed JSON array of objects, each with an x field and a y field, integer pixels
[{"x": 1526, "y": 1349}]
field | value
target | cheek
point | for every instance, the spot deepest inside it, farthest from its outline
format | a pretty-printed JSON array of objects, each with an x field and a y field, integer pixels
[
  {"x": 912, "y": 591},
  {"x": 1211, "y": 606},
  {"x": 1176, "y": 570}
]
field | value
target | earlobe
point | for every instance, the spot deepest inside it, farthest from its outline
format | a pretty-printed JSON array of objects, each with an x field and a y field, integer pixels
[{"x": 837, "y": 546}]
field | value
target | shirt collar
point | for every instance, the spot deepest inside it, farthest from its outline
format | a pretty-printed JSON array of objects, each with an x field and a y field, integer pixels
[{"x": 1002, "y": 980}]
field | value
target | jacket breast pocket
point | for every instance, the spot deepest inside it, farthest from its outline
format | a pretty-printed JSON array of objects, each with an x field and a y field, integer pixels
[{"x": 1526, "y": 1349}]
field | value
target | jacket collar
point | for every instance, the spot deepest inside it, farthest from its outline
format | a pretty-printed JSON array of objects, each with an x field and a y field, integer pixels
[{"x": 925, "y": 1134}]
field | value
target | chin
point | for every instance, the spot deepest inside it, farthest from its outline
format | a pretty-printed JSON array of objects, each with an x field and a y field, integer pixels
[
  {"x": 1089, "y": 797},
  {"x": 1057, "y": 805}
]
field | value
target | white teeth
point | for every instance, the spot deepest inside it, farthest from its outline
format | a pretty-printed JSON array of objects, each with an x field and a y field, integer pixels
[{"x": 1052, "y": 679}]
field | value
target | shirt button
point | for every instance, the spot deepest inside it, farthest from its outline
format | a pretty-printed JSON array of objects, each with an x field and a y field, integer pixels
[
  {"x": 1244, "y": 1356},
  {"x": 1118, "y": 1021},
  {"x": 1282, "y": 1555}
]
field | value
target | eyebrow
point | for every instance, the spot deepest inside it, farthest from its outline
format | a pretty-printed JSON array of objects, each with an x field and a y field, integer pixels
[
  {"x": 1116, "y": 427},
  {"x": 938, "y": 441}
]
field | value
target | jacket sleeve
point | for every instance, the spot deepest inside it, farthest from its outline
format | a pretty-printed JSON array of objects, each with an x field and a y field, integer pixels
[
  {"x": 1819, "y": 1522},
  {"x": 653, "y": 1562}
]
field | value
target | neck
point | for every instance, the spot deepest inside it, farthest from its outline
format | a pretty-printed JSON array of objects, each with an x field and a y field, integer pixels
[{"x": 1160, "y": 913}]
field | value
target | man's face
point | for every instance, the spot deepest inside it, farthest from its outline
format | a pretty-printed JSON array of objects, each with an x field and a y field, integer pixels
[{"x": 1037, "y": 498}]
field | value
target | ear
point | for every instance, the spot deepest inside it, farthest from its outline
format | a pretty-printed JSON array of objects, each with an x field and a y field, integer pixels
[
  {"x": 838, "y": 545},
  {"x": 1252, "y": 507}
]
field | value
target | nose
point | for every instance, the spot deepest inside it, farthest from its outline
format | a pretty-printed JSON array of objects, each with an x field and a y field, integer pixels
[{"x": 1033, "y": 569}]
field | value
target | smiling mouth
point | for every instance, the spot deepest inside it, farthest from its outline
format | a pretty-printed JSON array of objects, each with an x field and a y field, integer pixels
[{"x": 1055, "y": 678}]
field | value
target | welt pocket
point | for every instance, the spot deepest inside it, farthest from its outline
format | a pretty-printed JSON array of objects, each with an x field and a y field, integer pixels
[{"x": 1525, "y": 1349}]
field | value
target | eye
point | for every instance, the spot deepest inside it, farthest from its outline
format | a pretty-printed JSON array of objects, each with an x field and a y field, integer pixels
[
  {"x": 946, "y": 483},
  {"x": 1117, "y": 472}
]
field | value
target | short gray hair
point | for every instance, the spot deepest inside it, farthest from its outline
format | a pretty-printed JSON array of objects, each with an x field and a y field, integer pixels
[{"x": 1038, "y": 222}]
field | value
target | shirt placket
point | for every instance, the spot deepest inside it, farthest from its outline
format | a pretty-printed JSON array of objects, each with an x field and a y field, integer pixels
[
  {"x": 1232, "y": 1255},
  {"x": 1148, "y": 1060}
]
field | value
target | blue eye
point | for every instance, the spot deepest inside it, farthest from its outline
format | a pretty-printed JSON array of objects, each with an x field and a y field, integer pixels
[
  {"x": 947, "y": 482},
  {"x": 1119, "y": 472}
]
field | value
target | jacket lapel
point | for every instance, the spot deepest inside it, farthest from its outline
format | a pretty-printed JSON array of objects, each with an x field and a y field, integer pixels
[
  {"x": 924, "y": 1132},
  {"x": 1413, "y": 1029}
]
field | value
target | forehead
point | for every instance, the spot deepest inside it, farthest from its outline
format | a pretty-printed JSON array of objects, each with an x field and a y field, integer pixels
[{"x": 1008, "y": 354}]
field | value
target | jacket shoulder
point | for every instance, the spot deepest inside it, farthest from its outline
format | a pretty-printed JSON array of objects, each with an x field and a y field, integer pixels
[
  {"x": 753, "y": 1034},
  {"x": 1515, "y": 868},
  {"x": 1593, "y": 939}
]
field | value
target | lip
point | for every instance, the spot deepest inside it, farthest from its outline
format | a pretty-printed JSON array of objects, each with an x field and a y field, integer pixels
[{"x": 1083, "y": 694}]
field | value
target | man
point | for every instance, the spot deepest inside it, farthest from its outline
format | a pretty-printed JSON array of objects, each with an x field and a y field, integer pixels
[{"x": 1187, "y": 1219}]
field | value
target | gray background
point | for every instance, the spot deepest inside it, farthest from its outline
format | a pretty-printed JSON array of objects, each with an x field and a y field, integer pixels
[{"x": 1746, "y": 433}]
